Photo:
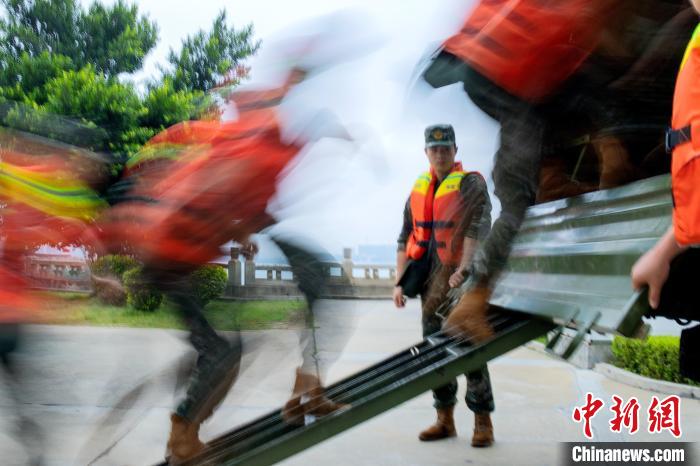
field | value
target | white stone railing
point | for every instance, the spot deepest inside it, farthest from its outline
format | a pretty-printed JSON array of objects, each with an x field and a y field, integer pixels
[{"x": 345, "y": 279}]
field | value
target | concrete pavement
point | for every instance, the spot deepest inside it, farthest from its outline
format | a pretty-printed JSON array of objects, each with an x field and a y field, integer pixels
[{"x": 103, "y": 395}]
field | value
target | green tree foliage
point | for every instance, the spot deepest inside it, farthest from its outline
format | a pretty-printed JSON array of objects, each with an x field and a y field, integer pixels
[
  {"x": 24, "y": 78},
  {"x": 206, "y": 58},
  {"x": 113, "y": 265},
  {"x": 59, "y": 58},
  {"x": 116, "y": 39},
  {"x": 38, "y": 26},
  {"x": 166, "y": 106},
  {"x": 109, "y": 104},
  {"x": 112, "y": 39}
]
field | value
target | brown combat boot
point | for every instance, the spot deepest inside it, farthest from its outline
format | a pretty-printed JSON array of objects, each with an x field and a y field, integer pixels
[
  {"x": 469, "y": 317},
  {"x": 444, "y": 427},
  {"x": 615, "y": 165},
  {"x": 184, "y": 441},
  {"x": 308, "y": 386},
  {"x": 483, "y": 430}
]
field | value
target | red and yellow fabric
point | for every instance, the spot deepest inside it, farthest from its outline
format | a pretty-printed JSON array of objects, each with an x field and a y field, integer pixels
[
  {"x": 439, "y": 213},
  {"x": 44, "y": 202},
  {"x": 185, "y": 139},
  {"x": 188, "y": 140},
  {"x": 54, "y": 192}
]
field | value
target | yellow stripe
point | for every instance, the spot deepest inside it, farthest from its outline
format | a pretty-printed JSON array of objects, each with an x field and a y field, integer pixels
[
  {"x": 422, "y": 183},
  {"x": 693, "y": 44},
  {"x": 51, "y": 193},
  {"x": 450, "y": 184},
  {"x": 458, "y": 174},
  {"x": 163, "y": 150}
]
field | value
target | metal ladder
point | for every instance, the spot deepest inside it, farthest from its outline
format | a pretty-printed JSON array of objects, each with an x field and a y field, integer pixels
[{"x": 379, "y": 388}]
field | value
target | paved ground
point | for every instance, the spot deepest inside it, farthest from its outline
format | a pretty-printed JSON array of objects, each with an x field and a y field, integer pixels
[{"x": 81, "y": 378}]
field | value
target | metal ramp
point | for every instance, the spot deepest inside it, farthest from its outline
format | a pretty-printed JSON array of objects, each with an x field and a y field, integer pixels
[
  {"x": 571, "y": 259},
  {"x": 387, "y": 384}
]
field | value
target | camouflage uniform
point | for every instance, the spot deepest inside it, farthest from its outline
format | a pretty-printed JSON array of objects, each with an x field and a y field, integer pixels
[
  {"x": 476, "y": 225},
  {"x": 515, "y": 168}
]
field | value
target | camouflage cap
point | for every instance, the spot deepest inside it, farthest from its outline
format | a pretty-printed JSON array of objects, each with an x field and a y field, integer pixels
[{"x": 439, "y": 135}]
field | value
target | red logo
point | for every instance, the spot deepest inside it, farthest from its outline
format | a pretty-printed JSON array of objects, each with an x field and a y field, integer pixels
[
  {"x": 627, "y": 416},
  {"x": 585, "y": 413},
  {"x": 662, "y": 414},
  {"x": 665, "y": 415}
]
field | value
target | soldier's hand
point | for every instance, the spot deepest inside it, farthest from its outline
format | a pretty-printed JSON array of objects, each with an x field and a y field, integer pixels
[
  {"x": 651, "y": 270},
  {"x": 456, "y": 279},
  {"x": 399, "y": 298}
]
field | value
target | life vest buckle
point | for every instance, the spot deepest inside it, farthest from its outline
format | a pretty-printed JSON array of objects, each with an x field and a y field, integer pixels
[{"x": 676, "y": 137}]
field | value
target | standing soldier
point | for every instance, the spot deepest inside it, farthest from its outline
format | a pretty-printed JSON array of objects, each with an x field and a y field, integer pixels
[{"x": 447, "y": 212}]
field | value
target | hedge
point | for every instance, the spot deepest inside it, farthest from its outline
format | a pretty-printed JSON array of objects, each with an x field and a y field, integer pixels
[
  {"x": 208, "y": 282},
  {"x": 656, "y": 357}
]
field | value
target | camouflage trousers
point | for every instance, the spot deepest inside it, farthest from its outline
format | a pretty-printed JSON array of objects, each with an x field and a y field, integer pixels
[
  {"x": 479, "y": 394},
  {"x": 218, "y": 358},
  {"x": 516, "y": 168}
]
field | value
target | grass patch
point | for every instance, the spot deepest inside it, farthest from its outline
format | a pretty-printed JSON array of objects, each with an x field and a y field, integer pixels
[
  {"x": 75, "y": 309},
  {"x": 255, "y": 315}
]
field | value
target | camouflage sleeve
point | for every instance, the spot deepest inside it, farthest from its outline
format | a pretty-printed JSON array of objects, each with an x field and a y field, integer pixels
[
  {"x": 477, "y": 204},
  {"x": 407, "y": 226}
]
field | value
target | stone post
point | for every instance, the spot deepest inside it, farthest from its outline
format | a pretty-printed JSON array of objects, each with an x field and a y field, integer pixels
[
  {"x": 234, "y": 268},
  {"x": 249, "y": 272},
  {"x": 347, "y": 264}
]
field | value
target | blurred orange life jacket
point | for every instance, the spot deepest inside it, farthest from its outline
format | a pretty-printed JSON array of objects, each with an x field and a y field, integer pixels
[
  {"x": 216, "y": 195},
  {"x": 529, "y": 47}
]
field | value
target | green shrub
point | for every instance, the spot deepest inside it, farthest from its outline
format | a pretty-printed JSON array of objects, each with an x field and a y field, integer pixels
[
  {"x": 111, "y": 268},
  {"x": 655, "y": 357},
  {"x": 141, "y": 295},
  {"x": 113, "y": 264},
  {"x": 208, "y": 283}
]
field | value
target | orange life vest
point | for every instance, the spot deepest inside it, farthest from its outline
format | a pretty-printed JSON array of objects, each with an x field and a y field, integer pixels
[
  {"x": 526, "y": 47},
  {"x": 685, "y": 165},
  {"x": 212, "y": 198},
  {"x": 440, "y": 212},
  {"x": 189, "y": 139}
]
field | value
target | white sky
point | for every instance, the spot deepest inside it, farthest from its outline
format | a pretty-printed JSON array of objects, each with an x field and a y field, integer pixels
[{"x": 345, "y": 199}]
